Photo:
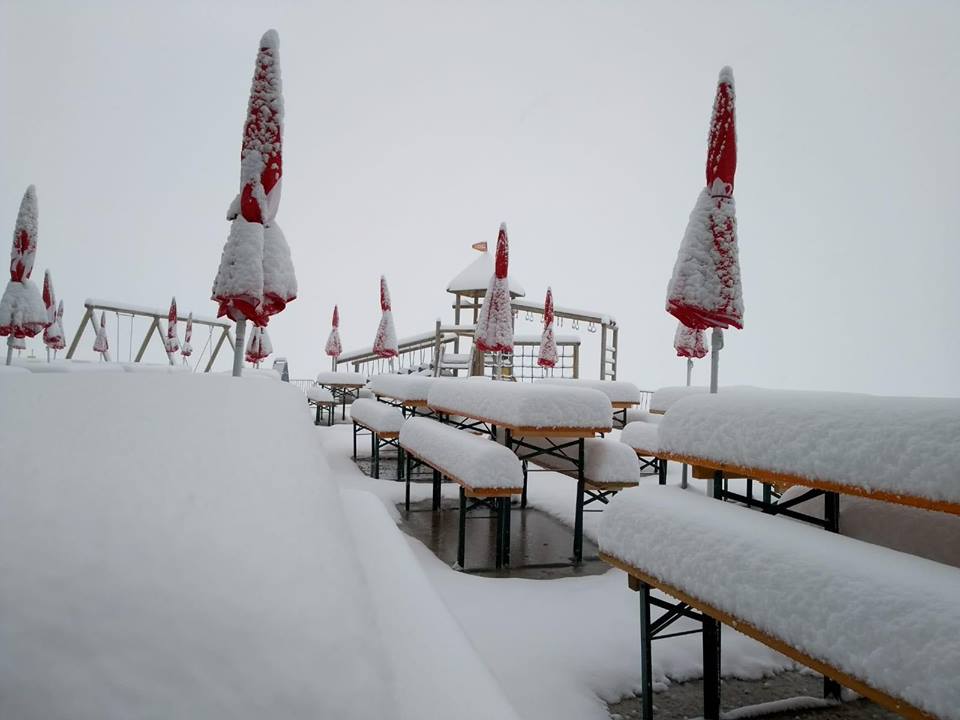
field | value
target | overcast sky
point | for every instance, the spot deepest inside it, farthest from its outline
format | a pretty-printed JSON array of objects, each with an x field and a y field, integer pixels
[{"x": 414, "y": 128}]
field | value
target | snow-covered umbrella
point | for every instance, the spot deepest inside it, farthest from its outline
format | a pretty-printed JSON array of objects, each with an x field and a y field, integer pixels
[
  {"x": 62, "y": 342},
  {"x": 259, "y": 347},
  {"x": 689, "y": 343},
  {"x": 548, "y": 343},
  {"x": 187, "y": 349},
  {"x": 100, "y": 343},
  {"x": 494, "y": 332},
  {"x": 385, "y": 343},
  {"x": 53, "y": 333},
  {"x": 172, "y": 342},
  {"x": 22, "y": 313},
  {"x": 256, "y": 278},
  {"x": 705, "y": 290},
  {"x": 334, "y": 347}
]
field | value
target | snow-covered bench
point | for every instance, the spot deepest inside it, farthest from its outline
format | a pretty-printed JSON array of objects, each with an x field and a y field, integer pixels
[
  {"x": 322, "y": 399},
  {"x": 383, "y": 422},
  {"x": 644, "y": 439},
  {"x": 408, "y": 392},
  {"x": 345, "y": 386},
  {"x": 486, "y": 472},
  {"x": 883, "y": 623},
  {"x": 623, "y": 395}
]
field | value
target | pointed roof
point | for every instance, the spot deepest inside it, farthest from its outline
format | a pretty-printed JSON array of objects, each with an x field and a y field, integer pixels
[{"x": 474, "y": 278}]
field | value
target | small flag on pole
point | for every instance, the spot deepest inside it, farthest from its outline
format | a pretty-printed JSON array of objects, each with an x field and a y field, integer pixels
[{"x": 481, "y": 246}]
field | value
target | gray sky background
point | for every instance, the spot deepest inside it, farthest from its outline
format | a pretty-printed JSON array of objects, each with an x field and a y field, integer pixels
[{"x": 413, "y": 129}]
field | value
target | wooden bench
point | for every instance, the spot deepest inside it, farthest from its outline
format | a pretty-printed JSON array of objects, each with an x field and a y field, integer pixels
[
  {"x": 883, "y": 623},
  {"x": 644, "y": 439},
  {"x": 488, "y": 474},
  {"x": 322, "y": 399},
  {"x": 383, "y": 422}
]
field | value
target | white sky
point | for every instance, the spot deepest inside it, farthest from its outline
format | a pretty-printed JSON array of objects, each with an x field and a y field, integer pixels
[{"x": 413, "y": 129}]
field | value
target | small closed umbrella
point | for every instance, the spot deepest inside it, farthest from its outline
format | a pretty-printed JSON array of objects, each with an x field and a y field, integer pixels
[
  {"x": 705, "y": 289},
  {"x": 259, "y": 347},
  {"x": 61, "y": 343},
  {"x": 548, "y": 343},
  {"x": 100, "y": 343},
  {"x": 172, "y": 343},
  {"x": 494, "y": 332},
  {"x": 187, "y": 349},
  {"x": 53, "y": 333},
  {"x": 385, "y": 342},
  {"x": 22, "y": 312},
  {"x": 334, "y": 348}
]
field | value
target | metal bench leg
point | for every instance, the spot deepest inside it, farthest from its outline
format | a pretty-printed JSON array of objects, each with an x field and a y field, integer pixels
[
  {"x": 399, "y": 461},
  {"x": 436, "y": 490},
  {"x": 317, "y": 422},
  {"x": 711, "y": 668},
  {"x": 374, "y": 470},
  {"x": 462, "y": 529},
  {"x": 646, "y": 654},
  {"x": 523, "y": 495},
  {"x": 831, "y": 514},
  {"x": 578, "y": 519},
  {"x": 498, "y": 504},
  {"x": 662, "y": 470},
  {"x": 330, "y": 416},
  {"x": 506, "y": 531},
  {"x": 354, "y": 442}
]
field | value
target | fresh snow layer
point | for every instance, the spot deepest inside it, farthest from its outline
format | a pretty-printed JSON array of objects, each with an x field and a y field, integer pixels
[
  {"x": 605, "y": 460},
  {"x": 665, "y": 397},
  {"x": 475, "y": 460},
  {"x": 638, "y": 415},
  {"x": 410, "y": 388},
  {"x": 517, "y": 404},
  {"x": 643, "y": 436},
  {"x": 21, "y": 307},
  {"x": 174, "y": 546},
  {"x": 279, "y": 277},
  {"x": 475, "y": 277},
  {"x": 888, "y": 618},
  {"x": 905, "y": 446},
  {"x": 123, "y": 307},
  {"x": 619, "y": 391},
  {"x": 377, "y": 416},
  {"x": 340, "y": 378},
  {"x": 317, "y": 394}
]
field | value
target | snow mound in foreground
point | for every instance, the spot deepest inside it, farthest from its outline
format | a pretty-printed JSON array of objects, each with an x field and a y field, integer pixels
[{"x": 173, "y": 546}]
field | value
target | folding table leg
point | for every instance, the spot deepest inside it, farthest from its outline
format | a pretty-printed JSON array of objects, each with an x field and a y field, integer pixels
[
  {"x": 373, "y": 455},
  {"x": 662, "y": 470},
  {"x": 498, "y": 504},
  {"x": 831, "y": 514},
  {"x": 354, "y": 442},
  {"x": 646, "y": 654},
  {"x": 399, "y": 461},
  {"x": 506, "y": 531},
  {"x": 523, "y": 495},
  {"x": 711, "y": 668},
  {"x": 436, "y": 489},
  {"x": 317, "y": 422},
  {"x": 462, "y": 529},
  {"x": 578, "y": 520}
]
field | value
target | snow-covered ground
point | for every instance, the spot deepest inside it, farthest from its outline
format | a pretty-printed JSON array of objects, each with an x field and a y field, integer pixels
[{"x": 178, "y": 545}]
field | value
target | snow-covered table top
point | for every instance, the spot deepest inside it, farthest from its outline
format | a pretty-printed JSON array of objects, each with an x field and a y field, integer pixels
[
  {"x": 619, "y": 391},
  {"x": 317, "y": 394},
  {"x": 605, "y": 461},
  {"x": 642, "y": 436},
  {"x": 377, "y": 416},
  {"x": 518, "y": 405},
  {"x": 884, "y": 617},
  {"x": 405, "y": 388},
  {"x": 666, "y": 396},
  {"x": 341, "y": 379},
  {"x": 898, "y": 449}
]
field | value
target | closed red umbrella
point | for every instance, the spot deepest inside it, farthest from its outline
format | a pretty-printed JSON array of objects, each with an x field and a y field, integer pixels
[
  {"x": 61, "y": 343},
  {"x": 53, "y": 333},
  {"x": 689, "y": 343},
  {"x": 334, "y": 347},
  {"x": 259, "y": 347},
  {"x": 187, "y": 349},
  {"x": 705, "y": 289},
  {"x": 494, "y": 332},
  {"x": 385, "y": 342},
  {"x": 548, "y": 343},
  {"x": 22, "y": 312},
  {"x": 172, "y": 342},
  {"x": 100, "y": 343}
]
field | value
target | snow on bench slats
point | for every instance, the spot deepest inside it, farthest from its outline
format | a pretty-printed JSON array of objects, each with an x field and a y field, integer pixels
[
  {"x": 888, "y": 618},
  {"x": 409, "y": 388},
  {"x": 317, "y": 394},
  {"x": 340, "y": 378},
  {"x": 605, "y": 461},
  {"x": 619, "y": 391},
  {"x": 523, "y": 404},
  {"x": 475, "y": 460},
  {"x": 377, "y": 416},
  {"x": 642, "y": 436},
  {"x": 905, "y": 446}
]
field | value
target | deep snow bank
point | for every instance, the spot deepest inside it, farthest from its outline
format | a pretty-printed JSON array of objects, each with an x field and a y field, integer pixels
[{"x": 172, "y": 546}]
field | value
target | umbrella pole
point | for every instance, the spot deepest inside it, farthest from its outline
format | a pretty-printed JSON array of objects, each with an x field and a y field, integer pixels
[
  {"x": 238, "y": 347},
  {"x": 48, "y": 354},
  {"x": 9, "y": 348},
  {"x": 716, "y": 344}
]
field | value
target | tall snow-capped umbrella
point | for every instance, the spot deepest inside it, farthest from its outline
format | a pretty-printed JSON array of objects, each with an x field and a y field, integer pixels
[
  {"x": 385, "y": 343},
  {"x": 187, "y": 349},
  {"x": 494, "y": 332},
  {"x": 705, "y": 291},
  {"x": 548, "y": 343},
  {"x": 53, "y": 333},
  {"x": 22, "y": 313},
  {"x": 256, "y": 277},
  {"x": 100, "y": 343},
  {"x": 334, "y": 347},
  {"x": 172, "y": 342}
]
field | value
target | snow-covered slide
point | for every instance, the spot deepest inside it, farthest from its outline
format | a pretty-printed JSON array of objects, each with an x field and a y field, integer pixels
[
  {"x": 883, "y": 623},
  {"x": 486, "y": 472}
]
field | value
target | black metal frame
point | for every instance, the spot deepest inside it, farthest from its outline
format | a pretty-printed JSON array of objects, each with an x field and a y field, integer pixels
[
  {"x": 321, "y": 407},
  {"x": 376, "y": 443},
  {"x": 340, "y": 395}
]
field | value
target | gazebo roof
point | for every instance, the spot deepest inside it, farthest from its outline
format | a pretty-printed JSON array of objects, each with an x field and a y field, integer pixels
[{"x": 474, "y": 278}]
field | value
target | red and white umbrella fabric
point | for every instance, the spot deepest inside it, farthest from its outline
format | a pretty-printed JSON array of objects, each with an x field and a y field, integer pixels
[
  {"x": 689, "y": 343},
  {"x": 494, "y": 332},
  {"x": 22, "y": 312},
  {"x": 53, "y": 333},
  {"x": 334, "y": 347},
  {"x": 172, "y": 343},
  {"x": 548, "y": 343},
  {"x": 187, "y": 349},
  {"x": 705, "y": 290},
  {"x": 385, "y": 343},
  {"x": 100, "y": 343},
  {"x": 62, "y": 342},
  {"x": 259, "y": 347}
]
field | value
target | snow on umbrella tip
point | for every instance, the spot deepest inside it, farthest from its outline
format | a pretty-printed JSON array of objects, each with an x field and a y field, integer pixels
[
  {"x": 548, "y": 343},
  {"x": 172, "y": 342},
  {"x": 495, "y": 324},
  {"x": 705, "y": 289},
  {"x": 22, "y": 311},
  {"x": 689, "y": 343},
  {"x": 334, "y": 348},
  {"x": 385, "y": 344}
]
